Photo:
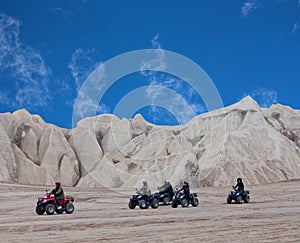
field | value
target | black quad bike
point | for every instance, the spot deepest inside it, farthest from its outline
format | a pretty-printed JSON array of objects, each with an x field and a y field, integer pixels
[
  {"x": 238, "y": 196},
  {"x": 143, "y": 200},
  {"x": 48, "y": 204},
  {"x": 165, "y": 196},
  {"x": 182, "y": 199}
]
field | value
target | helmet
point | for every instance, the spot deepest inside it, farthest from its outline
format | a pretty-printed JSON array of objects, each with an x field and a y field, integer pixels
[
  {"x": 167, "y": 181},
  {"x": 57, "y": 183},
  {"x": 239, "y": 180},
  {"x": 145, "y": 182}
]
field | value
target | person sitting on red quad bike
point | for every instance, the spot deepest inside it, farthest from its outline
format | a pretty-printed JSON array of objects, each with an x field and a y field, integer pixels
[{"x": 58, "y": 192}]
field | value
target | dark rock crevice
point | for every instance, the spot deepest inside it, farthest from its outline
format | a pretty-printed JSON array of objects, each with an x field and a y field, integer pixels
[{"x": 99, "y": 137}]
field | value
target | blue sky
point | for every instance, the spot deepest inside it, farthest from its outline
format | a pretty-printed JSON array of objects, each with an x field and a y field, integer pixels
[{"x": 48, "y": 49}]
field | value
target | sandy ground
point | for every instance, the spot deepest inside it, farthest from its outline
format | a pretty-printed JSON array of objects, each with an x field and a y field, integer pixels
[{"x": 273, "y": 215}]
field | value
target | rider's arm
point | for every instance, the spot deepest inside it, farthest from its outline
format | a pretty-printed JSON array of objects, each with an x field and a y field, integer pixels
[{"x": 159, "y": 187}]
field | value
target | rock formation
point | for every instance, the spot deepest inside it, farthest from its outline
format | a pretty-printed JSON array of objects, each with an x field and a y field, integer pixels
[{"x": 243, "y": 140}]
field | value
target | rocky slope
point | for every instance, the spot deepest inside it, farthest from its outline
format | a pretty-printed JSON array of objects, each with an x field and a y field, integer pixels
[{"x": 242, "y": 140}]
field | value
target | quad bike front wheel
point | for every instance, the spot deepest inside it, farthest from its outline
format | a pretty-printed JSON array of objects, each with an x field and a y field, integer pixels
[
  {"x": 174, "y": 204},
  {"x": 184, "y": 203},
  {"x": 69, "y": 208},
  {"x": 155, "y": 203},
  {"x": 50, "y": 209},
  {"x": 239, "y": 199},
  {"x": 131, "y": 205},
  {"x": 40, "y": 210},
  {"x": 229, "y": 200},
  {"x": 166, "y": 201}
]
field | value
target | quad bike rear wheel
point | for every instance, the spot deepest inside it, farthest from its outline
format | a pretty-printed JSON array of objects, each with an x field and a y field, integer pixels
[
  {"x": 50, "y": 209},
  {"x": 155, "y": 203},
  {"x": 247, "y": 199},
  {"x": 195, "y": 202},
  {"x": 69, "y": 208}
]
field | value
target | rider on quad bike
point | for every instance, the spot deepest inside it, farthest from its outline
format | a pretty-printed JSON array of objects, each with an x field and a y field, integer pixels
[
  {"x": 55, "y": 202},
  {"x": 167, "y": 187},
  {"x": 186, "y": 189},
  {"x": 239, "y": 185},
  {"x": 58, "y": 192},
  {"x": 143, "y": 198},
  {"x": 185, "y": 198},
  {"x": 144, "y": 190},
  {"x": 238, "y": 194},
  {"x": 165, "y": 193}
]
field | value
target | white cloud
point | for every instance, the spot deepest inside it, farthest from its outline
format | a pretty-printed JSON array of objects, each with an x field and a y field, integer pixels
[
  {"x": 83, "y": 109},
  {"x": 248, "y": 7},
  {"x": 176, "y": 104},
  {"x": 295, "y": 27},
  {"x": 264, "y": 96},
  {"x": 82, "y": 63},
  {"x": 23, "y": 64},
  {"x": 158, "y": 96},
  {"x": 158, "y": 63},
  {"x": 155, "y": 43}
]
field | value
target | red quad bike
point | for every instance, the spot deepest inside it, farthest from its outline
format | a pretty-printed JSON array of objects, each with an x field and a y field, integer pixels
[{"x": 48, "y": 204}]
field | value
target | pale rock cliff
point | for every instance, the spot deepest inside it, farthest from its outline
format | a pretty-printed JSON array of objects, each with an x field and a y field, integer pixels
[{"x": 243, "y": 140}]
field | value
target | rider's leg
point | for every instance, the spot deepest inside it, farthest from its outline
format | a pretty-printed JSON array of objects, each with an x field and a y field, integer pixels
[{"x": 58, "y": 201}]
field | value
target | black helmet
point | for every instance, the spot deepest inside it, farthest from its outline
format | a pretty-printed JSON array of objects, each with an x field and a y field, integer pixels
[{"x": 239, "y": 180}]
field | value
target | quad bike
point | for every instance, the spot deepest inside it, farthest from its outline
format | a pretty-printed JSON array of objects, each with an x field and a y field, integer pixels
[
  {"x": 48, "y": 204},
  {"x": 143, "y": 200},
  {"x": 238, "y": 196},
  {"x": 183, "y": 200},
  {"x": 165, "y": 196}
]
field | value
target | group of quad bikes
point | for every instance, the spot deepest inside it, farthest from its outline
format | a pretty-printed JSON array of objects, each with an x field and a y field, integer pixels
[
  {"x": 176, "y": 198},
  {"x": 166, "y": 197},
  {"x": 48, "y": 203}
]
